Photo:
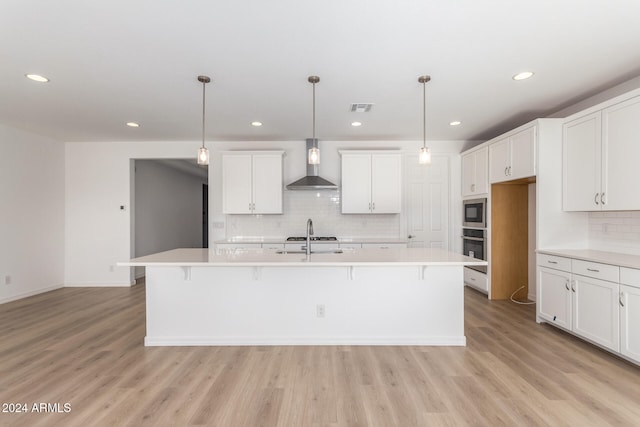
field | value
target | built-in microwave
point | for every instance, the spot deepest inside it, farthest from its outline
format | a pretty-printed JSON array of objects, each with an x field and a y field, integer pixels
[{"x": 474, "y": 213}]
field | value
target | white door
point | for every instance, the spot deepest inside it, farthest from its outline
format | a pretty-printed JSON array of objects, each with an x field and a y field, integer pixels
[
  {"x": 356, "y": 183},
  {"x": 386, "y": 183},
  {"x": 581, "y": 165},
  {"x": 523, "y": 154},
  {"x": 554, "y": 297},
  {"x": 236, "y": 184},
  {"x": 596, "y": 311},
  {"x": 267, "y": 183},
  {"x": 428, "y": 198},
  {"x": 620, "y": 155},
  {"x": 499, "y": 161},
  {"x": 630, "y": 322}
]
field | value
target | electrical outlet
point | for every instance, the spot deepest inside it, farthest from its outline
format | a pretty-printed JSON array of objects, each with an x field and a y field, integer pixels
[
  {"x": 7, "y": 280},
  {"x": 320, "y": 310}
]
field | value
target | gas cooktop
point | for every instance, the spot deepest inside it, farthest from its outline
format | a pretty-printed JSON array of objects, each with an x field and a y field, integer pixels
[{"x": 313, "y": 238}]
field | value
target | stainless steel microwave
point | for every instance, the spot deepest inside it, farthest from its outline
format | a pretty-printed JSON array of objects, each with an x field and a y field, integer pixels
[{"x": 474, "y": 213}]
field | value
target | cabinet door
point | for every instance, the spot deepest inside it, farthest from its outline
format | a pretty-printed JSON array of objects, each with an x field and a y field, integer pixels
[
  {"x": 267, "y": 183},
  {"x": 468, "y": 174},
  {"x": 630, "y": 322},
  {"x": 620, "y": 155},
  {"x": 596, "y": 311},
  {"x": 499, "y": 161},
  {"x": 523, "y": 154},
  {"x": 356, "y": 183},
  {"x": 482, "y": 171},
  {"x": 554, "y": 297},
  {"x": 236, "y": 184},
  {"x": 386, "y": 183},
  {"x": 581, "y": 163}
]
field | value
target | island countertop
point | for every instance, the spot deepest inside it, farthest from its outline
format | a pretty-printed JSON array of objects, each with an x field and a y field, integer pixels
[{"x": 195, "y": 257}]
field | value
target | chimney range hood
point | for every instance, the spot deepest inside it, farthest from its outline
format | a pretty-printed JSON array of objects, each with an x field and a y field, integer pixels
[{"x": 312, "y": 181}]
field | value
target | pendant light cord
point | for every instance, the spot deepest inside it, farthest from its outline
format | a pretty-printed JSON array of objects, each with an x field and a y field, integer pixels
[
  {"x": 204, "y": 84},
  {"x": 314, "y": 114},
  {"x": 424, "y": 114}
]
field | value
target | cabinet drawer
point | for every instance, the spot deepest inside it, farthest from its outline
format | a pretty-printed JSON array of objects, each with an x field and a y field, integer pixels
[
  {"x": 476, "y": 280},
  {"x": 630, "y": 276},
  {"x": 607, "y": 272},
  {"x": 555, "y": 262}
]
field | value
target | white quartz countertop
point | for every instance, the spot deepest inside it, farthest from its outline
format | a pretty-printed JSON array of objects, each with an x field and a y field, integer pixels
[
  {"x": 613, "y": 258},
  {"x": 192, "y": 257},
  {"x": 283, "y": 240}
]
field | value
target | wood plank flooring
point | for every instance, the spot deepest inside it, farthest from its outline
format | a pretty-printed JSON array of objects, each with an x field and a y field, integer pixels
[{"x": 85, "y": 347}]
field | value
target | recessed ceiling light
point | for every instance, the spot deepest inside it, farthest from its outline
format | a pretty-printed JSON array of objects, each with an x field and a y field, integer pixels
[
  {"x": 133, "y": 124},
  {"x": 37, "y": 78},
  {"x": 256, "y": 124},
  {"x": 356, "y": 124},
  {"x": 455, "y": 123},
  {"x": 523, "y": 75}
]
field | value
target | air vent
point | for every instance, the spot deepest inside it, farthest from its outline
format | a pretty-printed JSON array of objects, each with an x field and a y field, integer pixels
[{"x": 361, "y": 108}]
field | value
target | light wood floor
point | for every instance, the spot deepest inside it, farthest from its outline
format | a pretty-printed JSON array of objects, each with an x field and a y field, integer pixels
[{"x": 85, "y": 347}]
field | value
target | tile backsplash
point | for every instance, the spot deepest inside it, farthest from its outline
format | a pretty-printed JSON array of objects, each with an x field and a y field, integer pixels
[
  {"x": 323, "y": 207},
  {"x": 615, "y": 231}
]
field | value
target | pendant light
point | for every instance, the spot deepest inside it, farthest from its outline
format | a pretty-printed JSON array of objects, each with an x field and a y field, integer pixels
[
  {"x": 314, "y": 153},
  {"x": 203, "y": 153},
  {"x": 425, "y": 154}
]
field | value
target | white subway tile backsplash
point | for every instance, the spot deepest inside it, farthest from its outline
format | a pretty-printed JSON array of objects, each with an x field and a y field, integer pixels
[
  {"x": 615, "y": 231},
  {"x": 323, "y": 207}
]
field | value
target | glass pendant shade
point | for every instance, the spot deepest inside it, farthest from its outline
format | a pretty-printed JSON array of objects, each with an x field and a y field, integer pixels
[
  {"x": 203, "y": 156},
  {"x": 314, "y": 156},
  {"x": 425, "y": 156}
]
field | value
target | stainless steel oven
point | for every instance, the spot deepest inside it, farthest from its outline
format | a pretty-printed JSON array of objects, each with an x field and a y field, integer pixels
[
  {"x": 474, "y": 213},
  {"x": 474, "y": 244}
]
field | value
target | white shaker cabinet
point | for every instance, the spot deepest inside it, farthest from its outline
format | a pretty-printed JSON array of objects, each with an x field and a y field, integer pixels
[
  {"x": 554, "y": 297},
  {"x": 630, "y": 322},
  {"x": 513, "y": 157},
  {"x": 371, "y": 182},
  {"x": 475, "y": 173},
  {"x": 596, "y": 310},
  {"x": 600, "y": 158},
  {"x": 252, "y": 182}
]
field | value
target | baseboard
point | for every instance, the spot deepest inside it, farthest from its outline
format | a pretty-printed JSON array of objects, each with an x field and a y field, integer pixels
[
  {"x": 98, "y": 285},
  {"x": 29, "y": 294}
]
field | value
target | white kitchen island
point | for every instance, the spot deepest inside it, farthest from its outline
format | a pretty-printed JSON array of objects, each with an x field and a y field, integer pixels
[{"x": 393, "y": 296}]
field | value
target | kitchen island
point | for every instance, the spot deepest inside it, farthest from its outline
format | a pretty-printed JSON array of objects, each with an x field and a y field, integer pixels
[{"x": 395, "y": 296}]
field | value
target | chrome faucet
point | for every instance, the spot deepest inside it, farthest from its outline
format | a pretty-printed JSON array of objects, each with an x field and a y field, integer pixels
[{"x": 309, "y": 234}]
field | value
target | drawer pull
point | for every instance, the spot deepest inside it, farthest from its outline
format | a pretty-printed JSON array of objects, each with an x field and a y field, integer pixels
[
  {"x": 552, "y": 262},
  {"x": 593, "y": 269}
]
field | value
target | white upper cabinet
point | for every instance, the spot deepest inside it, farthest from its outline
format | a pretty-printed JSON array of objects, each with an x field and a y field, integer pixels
[
  {"x": 371, "y": 182},
  {"x": 600, "y": 157},
  {"x": 252, "y": 182},
  {"x": 475, "y": 175},
  {"x": 513, "y": 157}
]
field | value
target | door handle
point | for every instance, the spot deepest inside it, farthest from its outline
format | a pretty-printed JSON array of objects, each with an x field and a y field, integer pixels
[{"x": 595, "y": 199}]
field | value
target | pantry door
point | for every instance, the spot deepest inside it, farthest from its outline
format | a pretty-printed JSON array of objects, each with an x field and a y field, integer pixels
[{"x": 428, "y": 199}]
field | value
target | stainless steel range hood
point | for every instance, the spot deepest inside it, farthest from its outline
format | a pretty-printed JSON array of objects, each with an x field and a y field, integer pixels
[{"x": 312, "y": 181}]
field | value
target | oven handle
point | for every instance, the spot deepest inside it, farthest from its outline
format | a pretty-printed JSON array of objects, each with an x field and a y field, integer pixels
[{"x": 477, "y": 239}]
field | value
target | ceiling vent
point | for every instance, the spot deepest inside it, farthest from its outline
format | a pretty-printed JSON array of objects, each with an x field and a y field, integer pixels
[{"x": 361, "y": 108}]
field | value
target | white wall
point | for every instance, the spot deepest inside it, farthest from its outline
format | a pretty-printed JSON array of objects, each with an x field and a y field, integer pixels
[
  {"x": 31, "y": 214},
  {"x": 98, "y": 182},
  {"x": 168, "y": 208}
]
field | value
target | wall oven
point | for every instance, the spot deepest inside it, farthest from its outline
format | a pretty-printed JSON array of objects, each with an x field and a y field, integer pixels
[
  {"x": 474, "y": 213},
  {"x": 474, "y": 244}
]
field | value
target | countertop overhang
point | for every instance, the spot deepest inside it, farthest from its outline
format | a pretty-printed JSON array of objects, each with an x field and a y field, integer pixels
[{"x": 195, "y": 257}]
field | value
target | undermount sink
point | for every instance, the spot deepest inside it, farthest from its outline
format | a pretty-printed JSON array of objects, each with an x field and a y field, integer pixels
[{"x": 329, "y": 251}]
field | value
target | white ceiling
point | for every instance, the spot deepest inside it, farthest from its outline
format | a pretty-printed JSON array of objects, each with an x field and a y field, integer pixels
[{"x": 116, "y": 61}]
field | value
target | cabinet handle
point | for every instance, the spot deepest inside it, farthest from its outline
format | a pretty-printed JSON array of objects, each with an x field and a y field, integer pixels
[
  {"x": 573, "y": 285},
  {"x": 373, "y": 206},
  {"x": 369, "y": 205},
  {"x": 593, "y": 269},
  {"x": 602, "y": 199},
  {"x": 566, "y": 285},
  {"x": 595, "y": 199},
  {"x": 505, "y": 171},
  {"x": 552, "y": 262},
  {"x": 621, "y": 299},
  {"x": 473, "y": 188},
  {"x": 509, "y": 170}
]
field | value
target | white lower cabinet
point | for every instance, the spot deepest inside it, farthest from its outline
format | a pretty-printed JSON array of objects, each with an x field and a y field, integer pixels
[
  {"x": 605, "y": 312},
  {"x": 384, "y": 245},
  {"x": 476, "y": 280},
  {"x": 596, "y": 314}
]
